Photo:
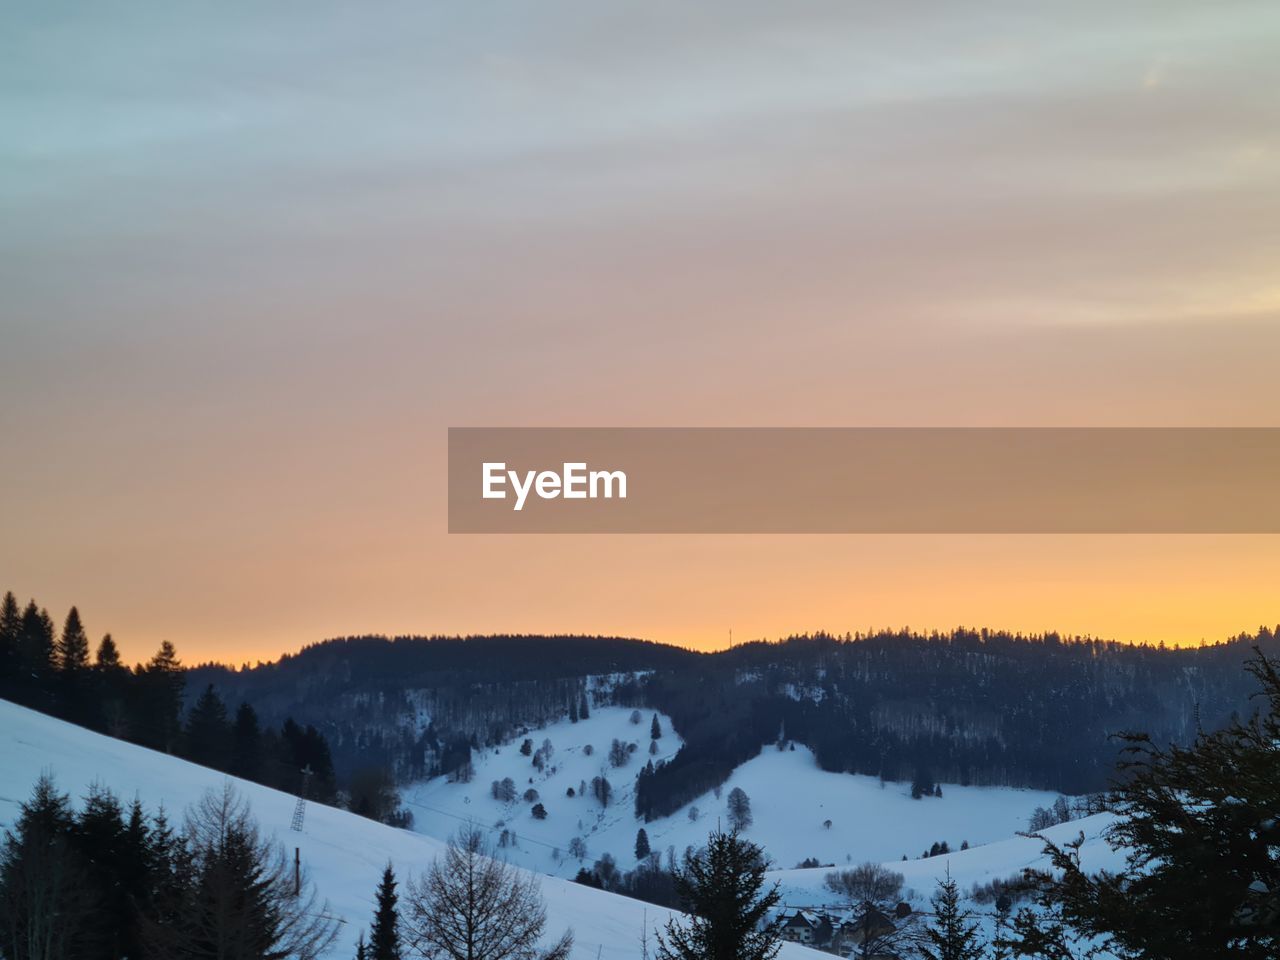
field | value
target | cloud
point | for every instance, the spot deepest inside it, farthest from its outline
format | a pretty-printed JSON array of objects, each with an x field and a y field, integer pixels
[{"x": 255, "y": 256}]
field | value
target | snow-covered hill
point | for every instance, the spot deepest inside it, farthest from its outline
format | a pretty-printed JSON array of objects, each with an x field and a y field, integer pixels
[
  {"x": 792, "y": 800},
  {"x": 999, "y": 860},
  {"x": 344, "y": 853}
]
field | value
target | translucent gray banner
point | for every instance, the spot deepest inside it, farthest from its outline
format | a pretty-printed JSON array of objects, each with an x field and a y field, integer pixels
[{"x": 864, "y": 480}]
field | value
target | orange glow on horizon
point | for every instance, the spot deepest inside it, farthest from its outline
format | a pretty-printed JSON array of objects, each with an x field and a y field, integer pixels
[{"x": 690, "y": 591}]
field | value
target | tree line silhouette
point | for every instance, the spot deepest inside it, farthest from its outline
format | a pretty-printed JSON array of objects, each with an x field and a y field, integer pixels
[{"x": 53, "y": 671}]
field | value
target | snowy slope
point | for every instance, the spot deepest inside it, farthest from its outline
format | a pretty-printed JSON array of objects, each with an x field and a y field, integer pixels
[
  {"x": 581, "y": 753},
  {"x": 1003, "y": 859},
  {"x": 998, "y": 860},
  {"x": 344, "y": 853},
  {"x": 791, "y": 798}
]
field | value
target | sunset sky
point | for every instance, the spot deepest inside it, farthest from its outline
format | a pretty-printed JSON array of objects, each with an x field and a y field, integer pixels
[{"x": 255, "y": 259}]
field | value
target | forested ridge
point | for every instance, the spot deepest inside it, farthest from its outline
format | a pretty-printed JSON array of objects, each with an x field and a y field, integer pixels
[
  {"x": 1196, "y": 822},
  {"x": 969, "y": 706},
  {"x": 418, "y": 705},
  {"x": 964, "y": 706}
]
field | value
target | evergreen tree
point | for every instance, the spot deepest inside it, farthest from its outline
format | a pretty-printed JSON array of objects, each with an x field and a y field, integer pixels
[
  {"x": 36, "y": 652},
  {"x": 108, "y": 655},
  {"x": 99, "y": 838},
  {"x": 950, "y": 936},
  {"x": 111, "y": 682},
  {"x": 73, "y": 646},
  {"x": 999, "y": 938},
  {"x": 721, "y": 888},
  {"x": 233, "y": 893},
  {"x": 45, "y": 902},
  {"x": 384, "y": 938},
  {"x": 10, "y": 618},
  {"x": 642, "y": 844},
  {"x": 10, "y": 632},
  {"x": 361, "y": 952},
  {"x": 584, "y": 711},
  {"x": 246, "y": 744},
  {"x": 655, "y": 729},
  {"x": 207, "y": 733},
  {"x": 307, "y": 748},
  {"x": 165, "y": 658},
  {"x": 158, "y": 705},
  {"x": 1043, "y": 932},
  {"x": 135, "y": 868},
  {"x": 165, "y": 904},
  {"x": 74, "y": 688},
  {"x": 371, "y": 792},
  {"x": 1199, "y": 832}
]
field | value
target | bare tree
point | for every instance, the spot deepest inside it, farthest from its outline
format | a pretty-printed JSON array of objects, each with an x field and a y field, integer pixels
[
  {"x": 470, "y": 906},
  {"x": 865, "y": 883},
  {"x": 882, "y": 924},
  {"x": 602, "y": 789},
  {"x": 618, "y": 754},
  {"x": 739, "y": 809},
  {"x": 244, "y": 893}
]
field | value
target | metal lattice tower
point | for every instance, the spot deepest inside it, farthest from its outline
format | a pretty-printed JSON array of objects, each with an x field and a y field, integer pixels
[{"x": 300, "y": 808}]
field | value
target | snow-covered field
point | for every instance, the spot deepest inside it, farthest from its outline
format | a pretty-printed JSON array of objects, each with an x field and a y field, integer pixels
[
  {"x": 1004, "y": 859},
  {"x": 999, "y": 860},
  {"x": 791, "y": 799},
  {"x": 344, "y": 853}
]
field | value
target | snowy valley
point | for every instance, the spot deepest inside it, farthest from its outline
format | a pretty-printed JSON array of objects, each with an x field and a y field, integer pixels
[
  {"x": 798, "y": 810},
  {"x": 344, "y": 853}
]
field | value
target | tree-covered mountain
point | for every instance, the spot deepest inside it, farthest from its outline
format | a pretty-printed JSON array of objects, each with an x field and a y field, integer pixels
[
  {"x": 968, "y": 706},
  {"x": 971, "y": 707},
  {"x": 419, "y": 705}
]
